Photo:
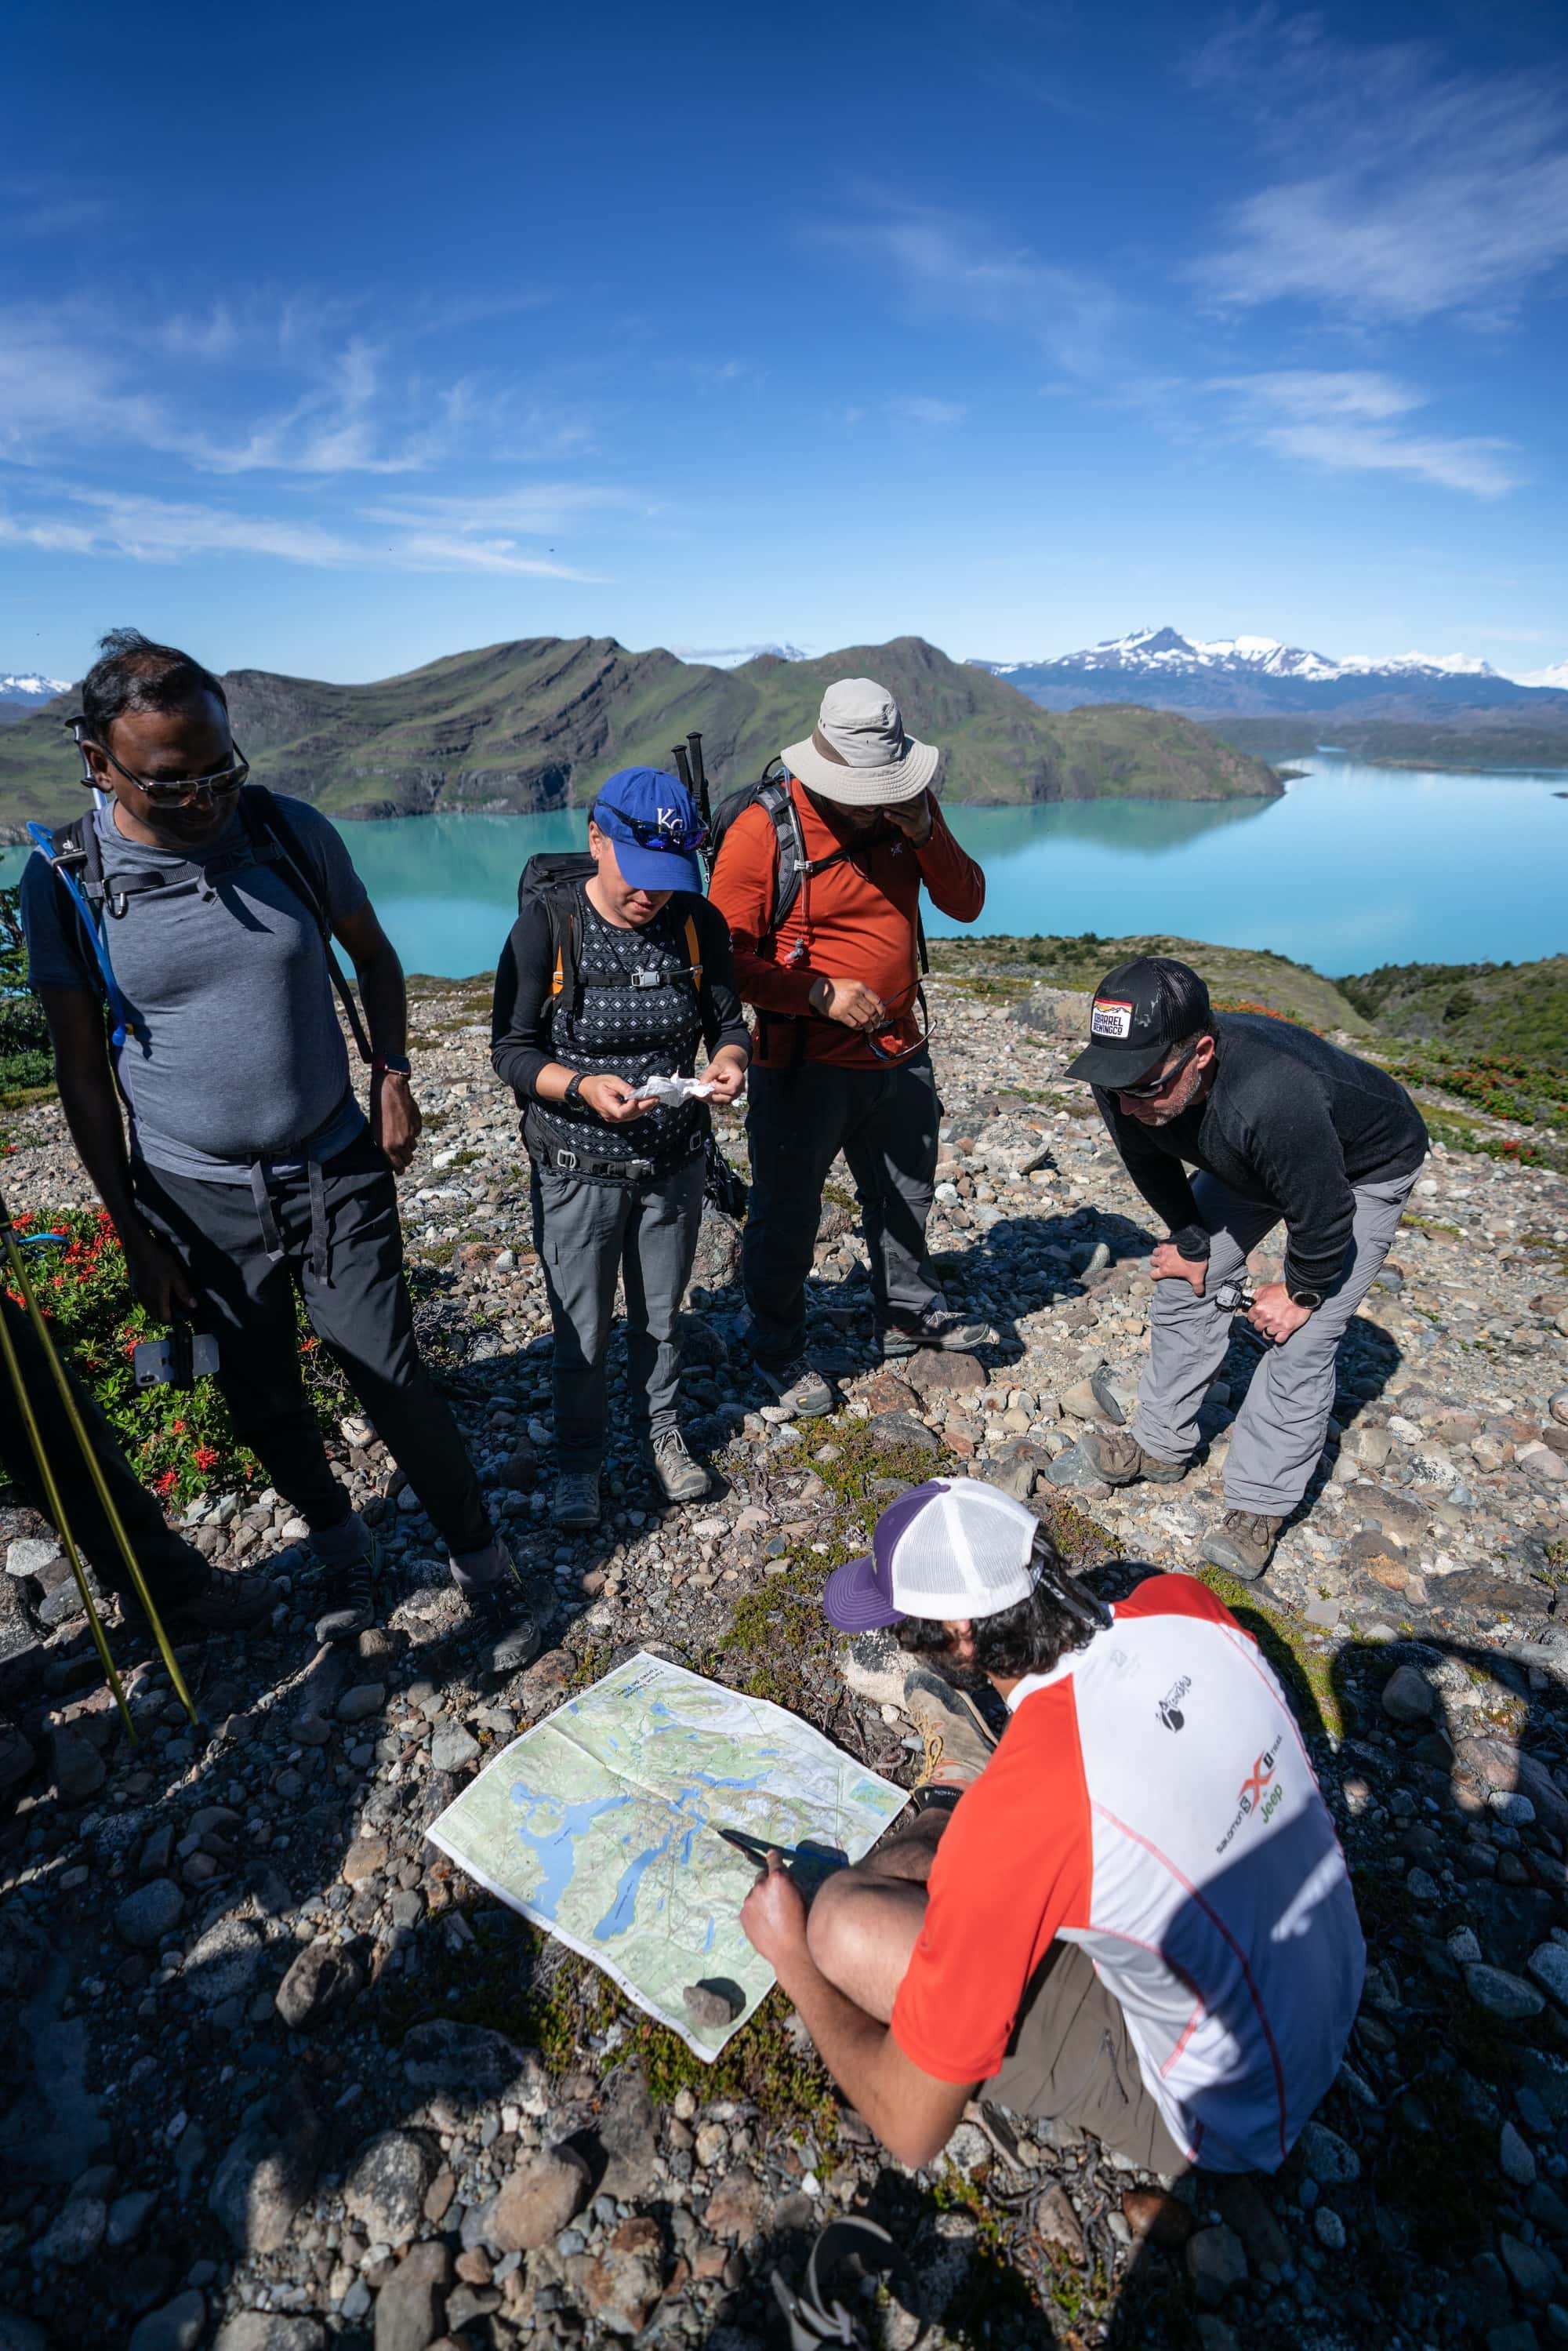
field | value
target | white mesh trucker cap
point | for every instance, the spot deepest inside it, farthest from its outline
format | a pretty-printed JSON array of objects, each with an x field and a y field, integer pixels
[{"x": 952, "y": 1547}]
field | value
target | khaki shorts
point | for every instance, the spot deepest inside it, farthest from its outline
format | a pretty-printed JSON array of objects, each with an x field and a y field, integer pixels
[{"x": 1072, "y": 2060}]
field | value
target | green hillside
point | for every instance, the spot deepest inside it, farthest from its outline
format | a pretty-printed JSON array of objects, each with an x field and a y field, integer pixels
[
  {"x": 537, "y": 724},
  {"x": 1238, "y": 978},
  {"x": 1519, "y": 1008},
  {"x": 1492, "y": 738}
]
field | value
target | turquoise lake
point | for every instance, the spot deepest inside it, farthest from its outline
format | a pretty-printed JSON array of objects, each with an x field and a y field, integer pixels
[{"x": 1355, "y": 866}]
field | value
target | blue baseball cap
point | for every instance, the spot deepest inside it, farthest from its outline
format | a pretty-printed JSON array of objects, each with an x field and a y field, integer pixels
[{"x": 656, "y": 827}]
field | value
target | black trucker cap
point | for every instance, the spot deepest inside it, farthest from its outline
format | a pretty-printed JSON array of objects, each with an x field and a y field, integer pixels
[{"x": 1139, "y": 1010}]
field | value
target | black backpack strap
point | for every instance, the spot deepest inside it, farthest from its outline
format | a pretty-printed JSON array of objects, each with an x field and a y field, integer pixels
[{"x": 270, "y": 829}]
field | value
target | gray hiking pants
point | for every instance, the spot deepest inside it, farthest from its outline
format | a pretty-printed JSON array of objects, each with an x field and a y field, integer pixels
[
  {"x": 884, "y": 1122},
  {"x": 588, "y": 1230},
  {"x": 1279, "y": 1432}
]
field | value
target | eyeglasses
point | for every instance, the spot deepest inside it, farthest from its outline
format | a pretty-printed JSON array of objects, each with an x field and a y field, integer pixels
[
  {"x": 1152, "y": 1086},
  {"x": 179, "y": 793},
  {"x": 669, "y": 833}
]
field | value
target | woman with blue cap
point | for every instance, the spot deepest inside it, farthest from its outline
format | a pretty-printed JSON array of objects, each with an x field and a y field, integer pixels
[{"x": 610, "y": 981}]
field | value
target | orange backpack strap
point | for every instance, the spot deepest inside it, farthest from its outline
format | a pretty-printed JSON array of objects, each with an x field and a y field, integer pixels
[{"x": 694, "y": 951}]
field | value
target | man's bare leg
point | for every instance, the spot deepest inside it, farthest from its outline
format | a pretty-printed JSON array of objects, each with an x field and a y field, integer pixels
[{"x": 866, "y": 1921}]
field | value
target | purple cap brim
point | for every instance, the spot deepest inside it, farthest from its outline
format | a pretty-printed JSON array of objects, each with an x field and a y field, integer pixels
[
  {"x": 656, "y": 869},
  {"x": 854, "y": 1600}
]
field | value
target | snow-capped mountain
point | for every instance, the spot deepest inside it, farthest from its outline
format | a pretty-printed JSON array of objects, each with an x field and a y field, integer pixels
[
  {"x": 1556, "y": 678},
  {"x": 22, "y": 691},
  {"x": 732, "y": 656},
  {"x": 1258, "y": 674}
]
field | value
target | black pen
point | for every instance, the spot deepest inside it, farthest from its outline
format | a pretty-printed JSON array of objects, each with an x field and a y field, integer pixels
[{"x": 758, "y": 1848}]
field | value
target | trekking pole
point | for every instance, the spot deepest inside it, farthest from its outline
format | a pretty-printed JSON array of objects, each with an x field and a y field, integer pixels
[
  {"x": 683, "y": 768},
  {"x": 699, "y": 776},
  {"x": 58, "y": 1513},
  {"x": 18, "y": 1272}
]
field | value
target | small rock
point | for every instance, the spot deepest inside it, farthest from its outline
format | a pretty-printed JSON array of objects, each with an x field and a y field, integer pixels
[
  {"x": 932, "y": 1370},
  {"x": 1081, "y": 1402},
  {"x": 468, "y": 2060},
  {"x": 410, "y": 2308},
  {"x": 76, "y": 1764},
  {"x": 154, "y": 1910},
  {"x": 1407, "y": 1695},
  {"x": 264, "y": 2330},
  {"x": 224, "y": 1963},
  {"x": 622, "y": 2285},
  {"x": 178, "y": 2326},
  {"x": 539, "y": 2200},
  {"x": 74, "y": 2235},
  {"x": 363, "y": 1700},
  {"x": 386, "y": 2188},
  {"x": 1058, "y": 2222},
  {"x": 1328, "y": 2159},
  {"x": 714, "y": 2004},
  {"x": 1156, "y": 2218},
  {"x": 126, "y": 2216},
  {"x": 321, "y": 1979},
  {"x": 1507, "y": 1997},
  {"x": 1329, "y": 2229},
  {"x": 365, "y": 1858},
  {"x": 1216, "y": 2263},
  {"x": 453, "y": 1749},
  {"x": 736, "y": 2207},
  {"x": 1558, "y": 1408},
  {"x": 267, "y": 2173},
  {"x": 1534, "y": 2273},
  {"x": 1514, "y": 2155},
  {"x": 31, "y": 1554}
]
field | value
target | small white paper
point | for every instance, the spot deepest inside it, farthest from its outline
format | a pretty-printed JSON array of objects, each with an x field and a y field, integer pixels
[{"x": 675, "y": 1090}]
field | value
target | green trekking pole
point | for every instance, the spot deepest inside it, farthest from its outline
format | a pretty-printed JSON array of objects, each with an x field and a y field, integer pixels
[{"x": 18, "y": 1272}]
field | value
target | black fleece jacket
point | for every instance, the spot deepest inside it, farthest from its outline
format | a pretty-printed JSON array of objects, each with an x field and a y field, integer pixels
[{"x": 1290, "y": 1119}]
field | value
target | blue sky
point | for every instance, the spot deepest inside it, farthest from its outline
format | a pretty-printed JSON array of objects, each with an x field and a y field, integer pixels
[{"x": 336, "y": 339}]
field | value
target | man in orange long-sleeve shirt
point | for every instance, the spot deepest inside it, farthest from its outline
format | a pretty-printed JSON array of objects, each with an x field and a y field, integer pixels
[{"x": 841, "y": 1062}]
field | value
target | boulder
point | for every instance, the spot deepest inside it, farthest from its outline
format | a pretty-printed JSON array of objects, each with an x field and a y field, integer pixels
[
  {"x": 154, "y": 1910},
  {"x": 266, "y": 2172},
  {"x": 410, "y": 2308},
  {"x": 386, "y": 2188},
  {"x": 539, "y": 2200},
  {"x": 322, "y": 1978}
]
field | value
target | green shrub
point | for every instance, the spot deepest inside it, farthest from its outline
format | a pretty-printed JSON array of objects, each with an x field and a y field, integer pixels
[
  {"x": 179, "y": 1441},
  {"x": 25, "y": 1060}
]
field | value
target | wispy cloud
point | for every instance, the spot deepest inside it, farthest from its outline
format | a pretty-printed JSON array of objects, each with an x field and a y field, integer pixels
[
  {"x": 916, "y": 411},
  {"x": 1356, "y": 421},
  {"x": 1405, "y": 190},
  {"x": 956, "y": 265},
  {"x": 70, "y": 519}
]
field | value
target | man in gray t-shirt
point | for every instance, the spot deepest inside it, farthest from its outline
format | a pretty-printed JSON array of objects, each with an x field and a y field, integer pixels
[{"x": 250, "y": 1171}]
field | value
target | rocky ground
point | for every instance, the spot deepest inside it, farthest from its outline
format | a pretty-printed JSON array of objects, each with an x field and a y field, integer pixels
[{"x": 274, "y": 2073}]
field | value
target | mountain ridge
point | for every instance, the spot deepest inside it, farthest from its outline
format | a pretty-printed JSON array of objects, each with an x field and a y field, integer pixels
[
  {"x": 535, "y": 723},
  {"x": 1261, "y": 677}
]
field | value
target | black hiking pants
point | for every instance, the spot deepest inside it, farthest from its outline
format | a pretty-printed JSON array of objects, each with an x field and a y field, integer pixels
[
  {"x": 173, "y": 1569},
  {"x": 343, "y": 1252},
  {"x": 884, "y": 1122}
]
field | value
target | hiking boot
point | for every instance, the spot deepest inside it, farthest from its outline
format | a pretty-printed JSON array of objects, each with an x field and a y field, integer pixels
[
  {"x": 672, "y": 1468},
  {"x": 957, "y": 1743},
  {"x": 224, "y": 1604},
  {"x": 497, "y": 1610},
  {"x": 1244, "y": 1544},
  {"x": 352, "y": 1584},
  {"x": 798, "y": 1386},
  {"x": 1115, "y": 1455},
  {"x": 575, "y": 1501},
  {"x": 937, "y": 1326}
]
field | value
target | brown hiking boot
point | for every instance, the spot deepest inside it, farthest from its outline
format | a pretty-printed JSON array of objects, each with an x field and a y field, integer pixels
[
  {"x": 225, "y": 1604},
  {"x": 1244, "y": 1544},
  {"x": 957, "y": 1743},
  {"x": 1117, "y": 1457}
]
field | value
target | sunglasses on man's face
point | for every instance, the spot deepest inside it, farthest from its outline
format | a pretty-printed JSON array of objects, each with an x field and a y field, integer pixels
[
  {"x": 179, "y": 792},
  {"x": 1152, "y": 1087}
]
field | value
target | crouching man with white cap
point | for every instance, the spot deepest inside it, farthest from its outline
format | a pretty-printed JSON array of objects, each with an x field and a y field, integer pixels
[{"x": 1131, "y": 1913}]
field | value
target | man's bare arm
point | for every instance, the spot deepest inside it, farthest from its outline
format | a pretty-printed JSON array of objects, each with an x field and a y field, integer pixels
[
  {"x": 395, "y": 1122},
  {"x": 92, "y": 1113}
]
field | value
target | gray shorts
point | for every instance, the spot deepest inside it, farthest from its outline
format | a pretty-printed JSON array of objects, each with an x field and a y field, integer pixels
[{"x": 1072, "y": 2060}]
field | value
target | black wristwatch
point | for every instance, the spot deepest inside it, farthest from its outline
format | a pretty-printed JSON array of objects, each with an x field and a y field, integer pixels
[
  {"x": 934, "y": 1798},
  {"x": 574, "y": 1087},
  {"x": 1310, "y": 1299}
]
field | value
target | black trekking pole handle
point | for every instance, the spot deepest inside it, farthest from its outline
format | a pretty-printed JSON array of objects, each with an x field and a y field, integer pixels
[
  {"x": 682, "y": 767},
  {"x": 699, "y": 772}
]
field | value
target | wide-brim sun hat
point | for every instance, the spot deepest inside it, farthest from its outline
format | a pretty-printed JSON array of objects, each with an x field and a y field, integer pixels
[
  {"x": 951, "y": 1549},
  {"x": 858, "y": 751}
]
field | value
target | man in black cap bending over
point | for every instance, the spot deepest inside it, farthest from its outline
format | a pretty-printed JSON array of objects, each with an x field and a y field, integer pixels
[{"x": 1283, "y": 1126}]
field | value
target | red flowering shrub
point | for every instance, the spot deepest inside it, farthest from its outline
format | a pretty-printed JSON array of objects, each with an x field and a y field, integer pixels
[{"x": 178, "y": 1440}]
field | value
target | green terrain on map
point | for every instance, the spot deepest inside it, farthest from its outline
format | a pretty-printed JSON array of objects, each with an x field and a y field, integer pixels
[{"x": 601, "y": 1824}]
